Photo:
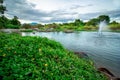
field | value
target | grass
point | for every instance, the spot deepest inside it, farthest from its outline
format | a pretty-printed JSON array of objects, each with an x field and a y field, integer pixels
[
  {"x": 36, "y": 58},
  {"x": 26, "y": 30}
]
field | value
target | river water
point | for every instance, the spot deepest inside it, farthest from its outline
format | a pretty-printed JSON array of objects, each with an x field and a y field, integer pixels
[{"x": 104, "y": 49}]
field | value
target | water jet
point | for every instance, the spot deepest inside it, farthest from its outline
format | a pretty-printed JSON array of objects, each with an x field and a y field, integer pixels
[{"x": 102, "y": 24}]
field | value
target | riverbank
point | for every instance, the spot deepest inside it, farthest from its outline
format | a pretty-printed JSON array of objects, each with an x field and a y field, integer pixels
[
  {"x": 38, "y": 30},
  {"x": 40, "y": 58},
  {"x": 32, "y": 30},
  {"x": 90, "y": 43},
  {"x": 103, "y": 70}
]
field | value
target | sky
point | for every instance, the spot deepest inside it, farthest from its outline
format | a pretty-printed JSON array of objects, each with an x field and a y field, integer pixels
[{"x": 61, "y": 11}]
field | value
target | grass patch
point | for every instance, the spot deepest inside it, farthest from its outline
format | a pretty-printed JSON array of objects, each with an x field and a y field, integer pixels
[
  {"x": 26, "y": 30},
  {"x": 36, "y": 58}
]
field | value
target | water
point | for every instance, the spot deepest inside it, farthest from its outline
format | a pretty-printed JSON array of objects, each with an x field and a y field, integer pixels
[{"x": 104, "y": 50}]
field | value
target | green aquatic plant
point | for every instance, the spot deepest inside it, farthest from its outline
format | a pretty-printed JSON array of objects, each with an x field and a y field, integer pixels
[{"x": 36, "y": 58}]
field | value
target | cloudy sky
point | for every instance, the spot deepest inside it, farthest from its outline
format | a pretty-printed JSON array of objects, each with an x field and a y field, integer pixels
[{"x": 49, "y": 11}]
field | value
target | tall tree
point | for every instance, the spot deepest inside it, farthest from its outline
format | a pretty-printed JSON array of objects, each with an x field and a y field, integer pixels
[
  {"x": 1, "y": 1},
  {"x": 15, "y": 21},
  {"x": 3, "y": 21},
  {"x": 104, "y": 17},
  {"x": 26, "y": 26},
  {"x": 93, "y": 22},
  {"x": 2, "y": 7},
  {"x": 78, "y": 22},
  {"x": 114, "y": 22}
]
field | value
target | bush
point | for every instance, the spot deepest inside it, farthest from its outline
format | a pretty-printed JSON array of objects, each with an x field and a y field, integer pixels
[
  {"x": 26, "y": 26},
  {"x": 26, "y": 30},
  {"x": 36, "y": 58},
  {"x": 11, "y": 26},
  {"x": 115, "y": 26},
  {"x": 8, "y": 23},
  {"x": 90, "y": 27}
]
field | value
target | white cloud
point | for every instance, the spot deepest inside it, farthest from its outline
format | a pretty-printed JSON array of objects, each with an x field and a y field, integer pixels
[
  {"x": 25, "y": 21},
  {"x": 46, "y": 11},
  {"x": 47, "y": 5},
  {"x": 46, "y": 18},
  {"x": 116, "y": 3}
]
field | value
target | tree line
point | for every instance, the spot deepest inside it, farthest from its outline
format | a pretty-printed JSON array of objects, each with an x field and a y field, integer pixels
[{"x": 5, "y": 22}]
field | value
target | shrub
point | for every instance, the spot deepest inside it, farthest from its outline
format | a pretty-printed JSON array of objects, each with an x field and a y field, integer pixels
[
  {"x": 11, "y": 26},
  {"x": 26, "y": 26},
  {"x": 36, "y": 58},
  {"x": 90, "y": 27},
  {"x": 115, "y": 26},
  {"x": 26, "y": 30}
]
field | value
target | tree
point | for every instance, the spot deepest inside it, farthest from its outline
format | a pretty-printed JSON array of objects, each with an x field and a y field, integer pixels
[
  {"x": 53, "y": 25},
  {"x": 96, "y": 21},
  {"x": 39, "y": 25},
  {"x": 114, "y": 22},
  {"x": 2, "y": 7},
  {"x": 26, "y": 26},
  {"x": 78, "y": 22},
  {"x": 15, "y": 21},
  {"x": 93, "y": 22},
  {"x": 104, "y": 17},
  {"x": 3, "y": 21},
  {"x": 1, "y": 1}
]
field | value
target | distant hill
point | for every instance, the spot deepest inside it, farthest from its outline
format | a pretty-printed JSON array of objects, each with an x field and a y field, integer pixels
[{"x": 33, "y": 23}]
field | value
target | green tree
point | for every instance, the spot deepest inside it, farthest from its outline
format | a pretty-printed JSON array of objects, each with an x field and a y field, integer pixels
[
  {"x": 97, "y": 20},
  {"x": 114, "y": 22},
  {"x": 3, "y": 21},
  {"x": 1, "y": 1},
  {"x": 39, "y": 26},
  {"x": 53, "y": 25},
  {"x": 78, "y": 22},
  {"x": 2, "y": 7},
  {"x": 104, "y": 17},
  {"x": 26, "y": 26},
  {"x": 15, "y": 21},
  {"x": 93, "y": 22}
]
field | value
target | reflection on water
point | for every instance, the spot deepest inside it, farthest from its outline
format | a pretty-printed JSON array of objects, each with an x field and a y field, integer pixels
[{"x": 104, "y": 50}]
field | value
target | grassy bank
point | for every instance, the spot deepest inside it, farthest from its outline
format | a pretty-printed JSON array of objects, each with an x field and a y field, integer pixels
[
  {"x": 26, "y": 30},
  {"x": 36, "y": 58}
]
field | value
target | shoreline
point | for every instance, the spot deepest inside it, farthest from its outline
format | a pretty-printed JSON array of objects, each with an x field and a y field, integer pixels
[
  {"x": 102, "y": 70},
  {"x": 38, "y": 30}
]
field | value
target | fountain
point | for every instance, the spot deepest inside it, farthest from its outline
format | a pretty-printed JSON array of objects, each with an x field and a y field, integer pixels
[{"x": 101, "y": 27}]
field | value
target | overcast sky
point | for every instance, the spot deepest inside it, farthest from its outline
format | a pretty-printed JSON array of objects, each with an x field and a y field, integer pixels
[{"x": 49, "y": 11}]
